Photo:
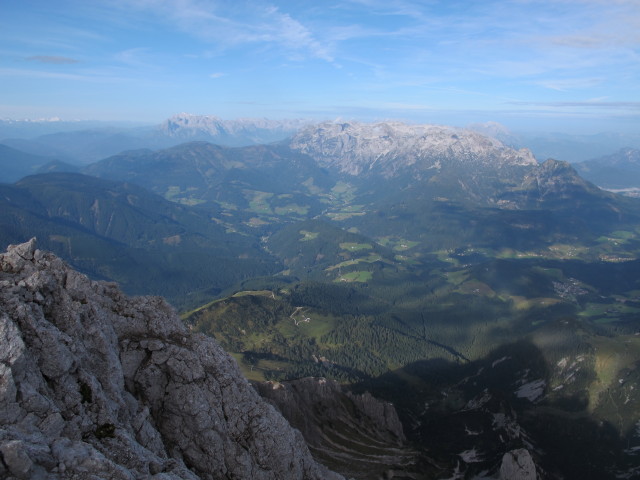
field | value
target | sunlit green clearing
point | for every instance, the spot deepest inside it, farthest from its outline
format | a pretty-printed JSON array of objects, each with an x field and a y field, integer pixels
[
  {"x": 370, "y": 259},
  {"x": 258, "y": 201},
  {"x": 306, "y": 235},
  {"x": 261, "y": 293},
  {"x": 355, "y": 277},
  {"x": 619, "y": 236},
  {"x": 176, "y": 195},
  {"x": 313, "y": 189},
  {"x": 405, "y": 259},
  {"x": 227, "y": 205},
  {"x": 566, "y": 251},
  {"x": 317, "y": 326},
  {"x": 403, "y": 245},
  {"x": 292, "y": 208},
  {"x": 343, "y": 192},
  {"x": 507, "y": 253},
  {"x": 339, "y": 216},
  {"x": 608, "y": 310},
  {"x": 354, "y": 247}
]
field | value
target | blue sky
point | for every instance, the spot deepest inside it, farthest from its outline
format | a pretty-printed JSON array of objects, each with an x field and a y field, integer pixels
[{"x": 566, "y": 65}]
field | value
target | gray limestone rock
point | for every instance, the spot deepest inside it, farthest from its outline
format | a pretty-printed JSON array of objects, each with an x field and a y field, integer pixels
[
  {"x": 95, "y": 384},
  {"x": 518, "y": 465},
  {"x": 357, "y": 435}
]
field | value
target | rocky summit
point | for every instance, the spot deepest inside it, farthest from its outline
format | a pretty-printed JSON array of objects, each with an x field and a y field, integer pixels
[{"x": 95, "y": 384}]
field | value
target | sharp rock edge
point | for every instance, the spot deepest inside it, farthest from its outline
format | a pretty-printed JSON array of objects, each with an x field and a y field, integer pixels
[{"x": 95, "y": 384}]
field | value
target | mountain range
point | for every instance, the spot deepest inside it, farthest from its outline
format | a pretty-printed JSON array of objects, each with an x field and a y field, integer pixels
[
  {"x": 91, "y": 141},
  {"x": 122, "y": 232},
  {"x": 619, "y": 171},
  {"x": 492, "y": 298}
]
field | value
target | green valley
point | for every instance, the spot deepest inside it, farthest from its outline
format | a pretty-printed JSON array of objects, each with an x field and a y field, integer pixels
[{"x": 474, "y": 298}]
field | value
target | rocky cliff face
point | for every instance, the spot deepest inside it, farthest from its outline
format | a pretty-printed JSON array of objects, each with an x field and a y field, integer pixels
[
  {"x": 357, "y": 435},
  {"x": 94, "y": 384}
]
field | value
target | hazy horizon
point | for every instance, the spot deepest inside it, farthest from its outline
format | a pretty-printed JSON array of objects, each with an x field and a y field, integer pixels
[{"x": 568, "y": 66}]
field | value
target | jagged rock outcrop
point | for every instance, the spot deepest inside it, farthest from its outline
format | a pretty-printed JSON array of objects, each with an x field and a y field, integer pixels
[
  {"x": 95, "y": 384},
  {"x": 357, "y": 435}
]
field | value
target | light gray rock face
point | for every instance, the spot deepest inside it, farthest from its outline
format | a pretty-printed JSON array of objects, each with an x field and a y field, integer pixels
[
  {"x": 390, "y": 147},
  {"x": 518, "y": 465},
  {"x": 94, "y": 384}
]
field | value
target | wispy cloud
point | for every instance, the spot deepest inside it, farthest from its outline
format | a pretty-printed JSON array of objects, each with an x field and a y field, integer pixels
[
  {"x": 95, "y": 77},
  {"x": 228, "y": 25},
  {"x": 53, "y": 59},
  {"x": 563, "y": 85},
  {"x": 217, "y": 75},
  {"x": 137, "y": 58},
  {"x": 584, "y": 104}
]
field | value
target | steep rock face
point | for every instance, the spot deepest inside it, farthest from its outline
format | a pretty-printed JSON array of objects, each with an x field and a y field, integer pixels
[
  {"x": 518, "y": 464},
  {"x": 357, "y": 435},
  {"x": 94, "y": 384},
  {"x": 390, "y": 147}
]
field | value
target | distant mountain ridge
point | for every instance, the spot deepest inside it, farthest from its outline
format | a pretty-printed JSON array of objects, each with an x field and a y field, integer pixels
[
  {"x": 618, "y": 171},
  {"x": 91, "y": 142},
  {"x": 415, "y": 187},
  {"x": 120, "y": 231},
  {"x": 240, "y": 131},
  {"x": 389, "y": 147},
  {"x": 15, "y": 164}
]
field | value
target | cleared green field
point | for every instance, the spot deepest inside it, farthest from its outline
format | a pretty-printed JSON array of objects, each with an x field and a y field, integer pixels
[
  {"x": 370, "y": 259},
  {"x": 355, "y": 277},
  {"x": 607, "y": 312},
  {"x": 259, "y": 201},
  {"x": 355, "y": 247},
  {"x": 306, "y": 236},
  {"x": 403, "y": 245},
  {"x": 185, "y": 197},
  {"x": 291, "y": 209},
  {"x": 340, "y": 216},
  {"x": 343, "y": 192}
]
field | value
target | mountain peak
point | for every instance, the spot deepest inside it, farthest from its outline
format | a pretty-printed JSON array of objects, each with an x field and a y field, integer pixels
[
  {"x": 240, "y": 131},
  {"x": 186, "y": 124},
  {"x": 358, "y": 148}
]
